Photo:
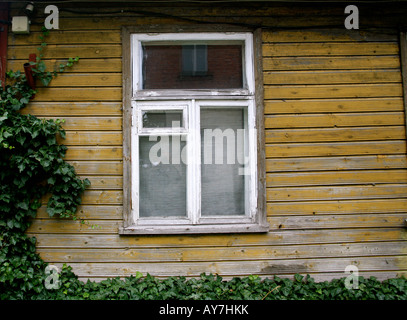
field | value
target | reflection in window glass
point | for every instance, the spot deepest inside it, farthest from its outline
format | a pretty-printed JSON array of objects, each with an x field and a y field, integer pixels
[
  {"x": 162, "y": 177},
  {"x": 162, "y": 119},
  {"x": 222, "y": 148},
  {"x": 198, "y": 66}
]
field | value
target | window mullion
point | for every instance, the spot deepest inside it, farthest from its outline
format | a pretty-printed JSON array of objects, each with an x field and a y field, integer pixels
[
  {"x": 194, "y": 168},
  {"x": 252, "y": 136},
  {"x": 135, "y": 165}
]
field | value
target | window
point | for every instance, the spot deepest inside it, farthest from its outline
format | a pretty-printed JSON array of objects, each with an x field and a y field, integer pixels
[
  {"x": 191, "y": 143},
  {"x": 195, "y": 60}
]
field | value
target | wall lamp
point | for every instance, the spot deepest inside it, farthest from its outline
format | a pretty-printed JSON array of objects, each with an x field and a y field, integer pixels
[{"x": 21, "y": 24}]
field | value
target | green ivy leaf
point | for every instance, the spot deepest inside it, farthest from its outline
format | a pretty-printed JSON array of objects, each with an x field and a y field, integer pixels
[
  {"x": 4, "y": 116},
  {"x": 52, "y": 180},
  {"x": 50, "y": 211},
  {"x": 22, "y": 205},
  {"x": 21, "y": 139}
]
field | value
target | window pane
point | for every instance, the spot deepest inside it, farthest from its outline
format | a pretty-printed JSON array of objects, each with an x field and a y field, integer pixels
[
  {"x": 187, "y": 59},
  {"x": 162, "y": 119},
  {"x": 201, "y": 59},
  {"x": 162, "y": 177},
  {"x": 197, "y": 66},
  {"x": 194, "y": 60},
  {"x": 222, "y": 150}
]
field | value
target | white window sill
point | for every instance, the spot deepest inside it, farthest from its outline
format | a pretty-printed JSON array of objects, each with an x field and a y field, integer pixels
[{"x": 194, "y": 229}]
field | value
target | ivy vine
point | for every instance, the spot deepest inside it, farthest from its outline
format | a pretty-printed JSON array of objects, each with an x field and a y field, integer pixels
[{"x": 32, "y": 165}]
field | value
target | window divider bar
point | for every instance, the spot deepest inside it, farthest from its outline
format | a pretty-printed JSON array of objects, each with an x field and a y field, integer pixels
[{"x": 194, "y": 164}]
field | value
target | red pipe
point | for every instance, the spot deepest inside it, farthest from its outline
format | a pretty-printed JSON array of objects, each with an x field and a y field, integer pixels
[
  {"x": 4, "y": 10},
  {"x": 29, "y": 75}
]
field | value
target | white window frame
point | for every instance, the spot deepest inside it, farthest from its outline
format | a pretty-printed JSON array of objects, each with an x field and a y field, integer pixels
[
  {"x": 137, "y": 41},
  {"x": 139, "y": 107},
  {"x": 190, "y": 101}
]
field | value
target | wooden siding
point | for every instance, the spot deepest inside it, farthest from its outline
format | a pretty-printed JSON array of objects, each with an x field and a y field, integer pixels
[
  {"x": 335, "y": 148},
  {"x": 330, "y": 105}
]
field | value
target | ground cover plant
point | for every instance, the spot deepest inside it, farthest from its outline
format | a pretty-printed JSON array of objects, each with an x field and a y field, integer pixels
[{"x": 32, "y": 165}]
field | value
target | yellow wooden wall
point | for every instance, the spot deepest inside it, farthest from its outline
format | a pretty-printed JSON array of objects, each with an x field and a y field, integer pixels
[{"x": 335, "y": 148}]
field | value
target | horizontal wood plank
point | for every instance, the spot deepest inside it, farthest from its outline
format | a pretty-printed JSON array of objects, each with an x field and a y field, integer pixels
[
  {"x": 222, "y": 254},
  {"x": 330, "y": 77},
  {"x": 94, "y": 153},
  {"x": 273, "y": 267},
  {"x": 91, "y": 123},
  {"x": 275, "y": 237},
  {"x": 102, "y": 197},
  {"x": 90, "y": 212},
  {"x": 332, "y": 91},
  {"x": 95, "y": 197},
  {"x": 104, "y": 182},
  {"x": 334, "y": 120},
  {"x": 326, "y": 35},
  {"x": 61, "y": 226},
  {"x": 337, "y": 221},
  {"x": 63, "y": 51},
  {"x": 86, "y": 80},
  {"x": 338, "y": 207},
  {"x": 385, "y": 191},
  {"x": 78, "y": 23},
  {"x": 92, "y": 138},
  {"x": 99, "y": 94},
  {"x": 333, "y": 105},
  {"x": 285, "y": 150},
  {"x": 335, "y": 134},
  {"x": 337, "y": 163},
  {"x": 69, "y": 109},
  {"x": 98, "y": 167},
  {"x": 67, "y": 37},
  {"x": 330, "y": 49},
  {"x": 331, "y": 63},
  {"x": 83, "y": 66},
  {"x": 326, "y": 178}
]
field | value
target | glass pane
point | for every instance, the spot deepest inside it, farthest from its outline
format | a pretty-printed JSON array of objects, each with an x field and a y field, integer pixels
[
  {"x": 222, "y": 150},
  {"x": 162, "y": 177},
  {"x": 162, "y": 119},
  {"x": 197, "y": 66},
  {"x": 194, "y": 60}
]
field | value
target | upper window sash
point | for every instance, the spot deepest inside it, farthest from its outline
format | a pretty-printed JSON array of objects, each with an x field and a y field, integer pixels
[
  {"x": 137, "y": 41},
  {"x": 164, "y": 106}
]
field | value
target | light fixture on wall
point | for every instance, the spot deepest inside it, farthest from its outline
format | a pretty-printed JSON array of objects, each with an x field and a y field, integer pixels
[
  {"x": 21, "y": 24},
  {"x": 29, "y": 9}
]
